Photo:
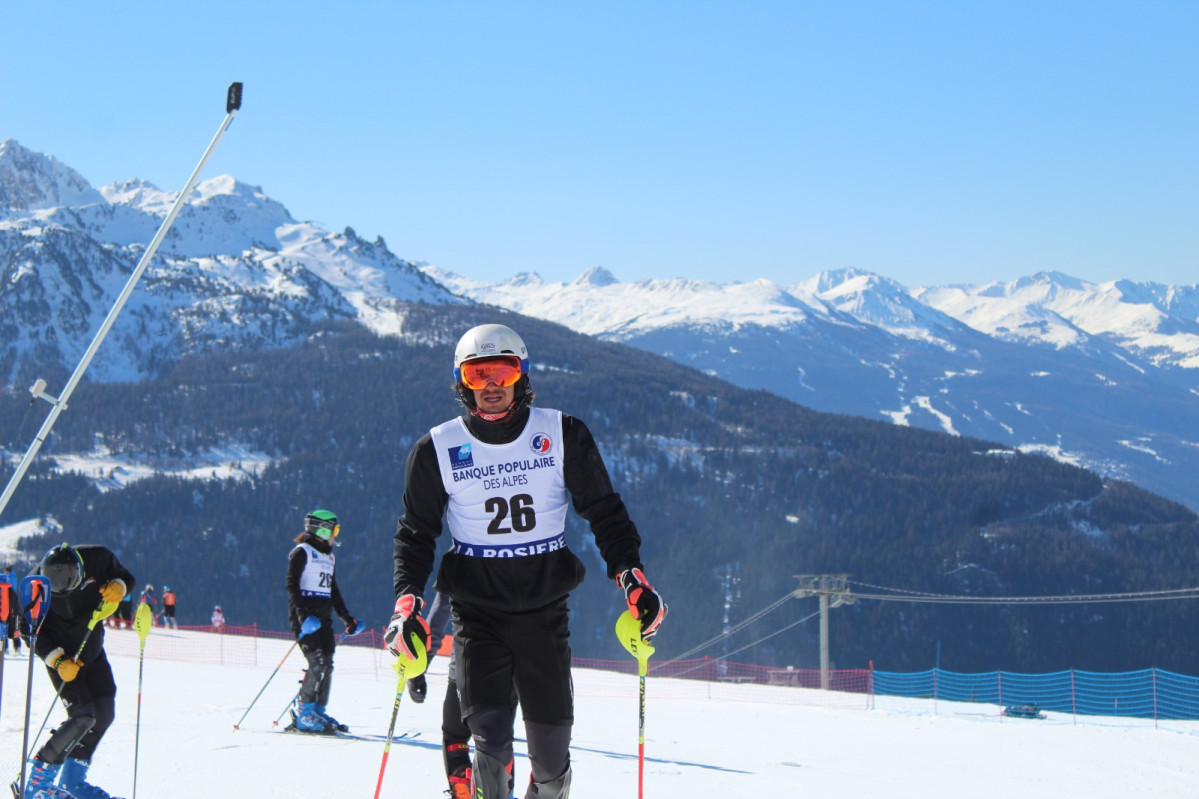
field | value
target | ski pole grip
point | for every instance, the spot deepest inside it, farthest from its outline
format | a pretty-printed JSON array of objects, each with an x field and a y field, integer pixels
[{"x": 233, "y": 99}]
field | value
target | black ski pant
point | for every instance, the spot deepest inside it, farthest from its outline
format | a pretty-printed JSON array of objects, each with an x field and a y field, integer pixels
[
  {"x": 496, "y": 650},
  {"x": 90, "y": 700},
  {"x": 318, "y": 650},
  {"x": 455, "y": 734}
]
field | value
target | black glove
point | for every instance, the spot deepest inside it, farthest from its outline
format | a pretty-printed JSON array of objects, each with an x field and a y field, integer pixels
[
  {"x": 352, "y": 626},
  {"x": 417, "y": 688},
  {"x": 407, "y": 626},
  {"x": 645, "y": 604}
]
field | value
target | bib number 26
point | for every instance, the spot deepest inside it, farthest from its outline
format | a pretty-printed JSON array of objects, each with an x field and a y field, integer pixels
[{"x": 518, "y": 509}]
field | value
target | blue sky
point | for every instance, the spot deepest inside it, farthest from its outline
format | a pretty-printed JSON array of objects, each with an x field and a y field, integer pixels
[{"x": 932, "y": 142}]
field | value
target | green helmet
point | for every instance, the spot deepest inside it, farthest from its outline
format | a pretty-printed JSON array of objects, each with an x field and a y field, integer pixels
[{"x": 322, "y": 524}]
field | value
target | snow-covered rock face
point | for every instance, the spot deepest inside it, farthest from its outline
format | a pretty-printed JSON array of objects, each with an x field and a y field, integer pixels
[
  {"x": 31, "y": 181},
  {"x": 236, "y": 270},
  {"x": 1151, "y": 321}
]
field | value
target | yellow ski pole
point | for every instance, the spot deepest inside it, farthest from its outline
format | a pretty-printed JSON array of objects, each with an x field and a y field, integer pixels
[
  {"x": 628, "y": 630},
  {"x": 405, "y": 670},
  {"x": 142, "y": 622}
]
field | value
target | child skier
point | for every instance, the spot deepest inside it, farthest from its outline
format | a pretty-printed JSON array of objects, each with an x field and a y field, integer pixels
[{"x": 312, "y": 598}]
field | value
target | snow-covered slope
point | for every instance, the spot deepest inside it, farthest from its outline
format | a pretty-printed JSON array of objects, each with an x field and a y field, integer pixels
[{"x": 179, "y": 699}]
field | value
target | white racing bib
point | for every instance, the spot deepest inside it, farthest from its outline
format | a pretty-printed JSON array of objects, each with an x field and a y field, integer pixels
[
  {"x": 317, "y": 577},
  {"x": 506, "y": 500}
]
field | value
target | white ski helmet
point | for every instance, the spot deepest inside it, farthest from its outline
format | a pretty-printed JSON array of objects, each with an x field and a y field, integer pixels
[{"x": 491, "y": 341}]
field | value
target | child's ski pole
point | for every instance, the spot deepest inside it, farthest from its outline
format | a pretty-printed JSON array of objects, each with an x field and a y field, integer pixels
[{"x": 237, "y": 726}]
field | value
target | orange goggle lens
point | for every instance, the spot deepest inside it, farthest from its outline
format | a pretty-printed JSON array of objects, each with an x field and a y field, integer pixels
[{"x": 503, "y": 372}]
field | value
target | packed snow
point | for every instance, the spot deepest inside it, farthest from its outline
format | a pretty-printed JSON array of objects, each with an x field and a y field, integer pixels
[{"x": 702, "y": 739}]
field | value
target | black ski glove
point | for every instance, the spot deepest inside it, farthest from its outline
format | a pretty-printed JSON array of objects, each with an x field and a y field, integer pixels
[{"x": 645, "y": 604}]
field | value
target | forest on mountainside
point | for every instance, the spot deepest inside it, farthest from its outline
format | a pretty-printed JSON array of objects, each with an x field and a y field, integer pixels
[{"x": 717, "y": 478}]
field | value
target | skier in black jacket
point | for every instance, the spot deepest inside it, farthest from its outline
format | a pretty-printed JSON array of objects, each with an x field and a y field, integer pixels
[
  {"x": 312, "y": 599},
  {"x": 504, "y": 476},
  {"x": 82, "y": 579}
]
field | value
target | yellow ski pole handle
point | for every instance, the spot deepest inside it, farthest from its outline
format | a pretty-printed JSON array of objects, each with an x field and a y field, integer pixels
[
  {"x": 101, "y": 613},
  {"x": 628, "y": 631},
  {"x": 143, "y": 620},
  {"x": 405, "y": 670}
]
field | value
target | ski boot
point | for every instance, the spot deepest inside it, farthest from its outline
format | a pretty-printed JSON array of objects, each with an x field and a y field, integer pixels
[
  {"x": 460, "y": 783},
  {"x": 74, "y": 779},
  {"x": 554, "y": 789},
  {"x": 491, "y": 779},
  {"x": 304, "y": 718},
  {"x": 40, "y": 783},
  {"x": 334, "y": 723}
]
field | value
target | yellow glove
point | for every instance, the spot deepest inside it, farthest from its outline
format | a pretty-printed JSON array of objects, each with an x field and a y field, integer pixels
[
  {"x": 113, "y": 591},
  {"x": 67, "y": 668}
]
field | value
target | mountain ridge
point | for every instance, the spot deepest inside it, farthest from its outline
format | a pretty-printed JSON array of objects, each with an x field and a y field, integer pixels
[{"x": 1005, "y": 362}]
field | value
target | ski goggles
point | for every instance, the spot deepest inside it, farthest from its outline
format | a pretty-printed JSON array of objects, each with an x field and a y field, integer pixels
[
  {"x": 503, "y": 372},
  {"x": 323, "y": 529}
]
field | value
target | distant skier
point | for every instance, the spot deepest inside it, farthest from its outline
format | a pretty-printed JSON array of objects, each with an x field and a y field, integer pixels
[
  {"x": 168, "y": 607},
  {"x": 312, "y": 598},
  {"x": 218, "y": 620},
  {"x": 81, "y": 579},
  {"x": 151, "y": 599}
]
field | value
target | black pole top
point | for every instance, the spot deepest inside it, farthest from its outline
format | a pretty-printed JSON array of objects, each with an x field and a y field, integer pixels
[{"x": 233, "y": 101}]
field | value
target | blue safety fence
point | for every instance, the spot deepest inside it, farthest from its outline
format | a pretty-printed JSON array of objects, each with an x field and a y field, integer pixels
[{"x": 1149, "y": 693}]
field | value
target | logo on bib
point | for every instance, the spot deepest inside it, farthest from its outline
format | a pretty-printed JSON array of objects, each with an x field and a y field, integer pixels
[
  {"x": 541, "y": 443},
  {"x": 460, "y": 457}
]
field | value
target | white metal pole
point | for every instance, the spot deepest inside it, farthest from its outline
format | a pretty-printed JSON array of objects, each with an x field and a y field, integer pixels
[{"x": 59, "y": 404}]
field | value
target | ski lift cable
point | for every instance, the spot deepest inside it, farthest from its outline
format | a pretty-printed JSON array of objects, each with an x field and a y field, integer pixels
[
  {"x": 736, "y": 628},
  {"x": 906, "y": 595},
  {"x": 780, "y": 631}
]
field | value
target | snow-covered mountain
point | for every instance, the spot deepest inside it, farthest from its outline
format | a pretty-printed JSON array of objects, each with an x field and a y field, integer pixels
[
  {"x": 1102, "y": 375},
  {"x": 236, "y": 270}
]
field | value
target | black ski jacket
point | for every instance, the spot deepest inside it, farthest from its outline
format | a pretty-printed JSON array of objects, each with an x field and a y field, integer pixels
[
  {"x": 300, "y": 607},
  {"x": 511, "y": 583},
  {"x": 66, "y": 621}
]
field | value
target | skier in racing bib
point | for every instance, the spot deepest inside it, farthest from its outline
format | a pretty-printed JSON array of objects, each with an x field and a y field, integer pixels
[
  {"x": 503, "y": 477},
  {"x": 312, "y": 599},
  {"x": 82, "y": 579}
]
